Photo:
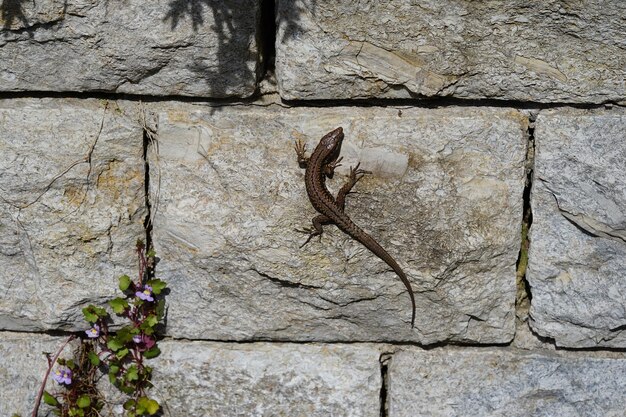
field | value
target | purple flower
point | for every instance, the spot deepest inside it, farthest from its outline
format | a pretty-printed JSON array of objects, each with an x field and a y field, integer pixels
[
  {"x": 63, "y": 375},
  {"x": 143, "y": 342},
  {"x": 94, "y": 332},
  {"x": 146, "y": 294}
]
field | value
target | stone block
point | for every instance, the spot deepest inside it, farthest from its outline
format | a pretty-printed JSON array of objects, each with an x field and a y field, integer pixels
[
  {"x": 162, "y": 47},
  {"x": 216, "y": 379},
  {"x": 72, "y": 206},
  {"x": 577, "y": 258},
  {"x": 22, "y": 368},
  {"x": 260, "y": 379},
  {"x": 491, "y": 382},
  {"x": 552, "y": 51},
  {"x": 444, "y": 198}
]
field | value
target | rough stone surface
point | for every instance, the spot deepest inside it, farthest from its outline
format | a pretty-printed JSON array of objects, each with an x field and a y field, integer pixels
[
  {"x": 72, "y": 205},
  {"x": 223, "y": 379},
  {"x": 22, "y": 368},
  {"x": 217, "y": 379},
  {"x": 577, "y": 259},
  {"x": 163, "y": 47},
  {"x": 550, "y": 51},
  {"x": 498, "y": 383},
  {"x": 445, "y": 198}
]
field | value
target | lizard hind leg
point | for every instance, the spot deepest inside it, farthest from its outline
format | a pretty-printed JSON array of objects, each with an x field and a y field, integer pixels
[{"x": 317, "y": 230}]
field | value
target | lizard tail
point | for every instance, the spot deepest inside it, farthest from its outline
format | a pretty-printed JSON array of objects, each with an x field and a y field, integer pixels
[{"x": 379, "y": 251}]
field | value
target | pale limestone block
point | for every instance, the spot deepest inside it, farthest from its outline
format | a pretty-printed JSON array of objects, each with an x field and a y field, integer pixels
[
  {"x": 23, "y": 366},
  {"x": 554, "y": 51},
  {"x": 261, "y": 379},
  {"x": 72, "y": 206},
  {"x": 577, "y": 258},
  {"x": 444, "y": 198},
  {"x": 162, "y": 47},
  {"x": 505, "y": 383}
]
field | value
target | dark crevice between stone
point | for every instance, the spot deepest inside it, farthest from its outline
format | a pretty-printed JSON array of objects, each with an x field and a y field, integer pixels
[
  {"x": 267, "y": 37},
  {"x": 384, "y": 360},
  {"x": 438, "y": 101},
  {"x": 147, "y": 224},
  {"x": 523, "y": 296},
  {"x": 425, "y": 103}
]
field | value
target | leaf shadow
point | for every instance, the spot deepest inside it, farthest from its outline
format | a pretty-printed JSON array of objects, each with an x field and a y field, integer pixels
[{"x": 12, "y": 11}]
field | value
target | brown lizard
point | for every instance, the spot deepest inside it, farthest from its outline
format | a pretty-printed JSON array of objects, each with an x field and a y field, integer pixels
[{"x": 321, "y": 164}]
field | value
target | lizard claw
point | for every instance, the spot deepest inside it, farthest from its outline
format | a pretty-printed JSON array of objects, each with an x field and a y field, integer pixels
[
  {"x": 329, "y": 169},
  {"x": 335, "y": 163},
  {"x": 311, "y": 232},
  {"x": 300, "y": 147},
  {"x": 356, "y": 173}
]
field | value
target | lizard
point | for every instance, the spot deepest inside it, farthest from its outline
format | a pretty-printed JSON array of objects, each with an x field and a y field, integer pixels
[{"x": 321, "y": 165}]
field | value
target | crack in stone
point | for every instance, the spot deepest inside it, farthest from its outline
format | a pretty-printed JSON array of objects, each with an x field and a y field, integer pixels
[
  {"x": 384, "y": 360},
  {"x": 285, "y": 283}
]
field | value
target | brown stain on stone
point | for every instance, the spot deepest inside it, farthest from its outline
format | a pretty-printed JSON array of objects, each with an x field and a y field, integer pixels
[{"x": 117, "y": 179}]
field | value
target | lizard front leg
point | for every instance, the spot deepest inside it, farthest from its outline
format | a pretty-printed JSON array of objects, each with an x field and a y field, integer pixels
[
  {"x": 300, "y": 148},
  {"x": 329, "y": 168},
  {"x": 355, "y": 176}
]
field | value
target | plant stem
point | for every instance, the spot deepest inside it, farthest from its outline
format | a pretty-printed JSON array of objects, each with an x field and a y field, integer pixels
[{"x": 45, "y": 378}]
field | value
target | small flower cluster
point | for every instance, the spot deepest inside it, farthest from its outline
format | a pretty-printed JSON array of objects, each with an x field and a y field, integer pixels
[
  {"x": 122, "y": 353},
  {"x": 63, "y": 375},
  {"x": 80, "y": 397}
]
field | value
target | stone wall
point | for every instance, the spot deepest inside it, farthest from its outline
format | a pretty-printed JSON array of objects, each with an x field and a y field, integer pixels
[{"x": 174, "y": 121}]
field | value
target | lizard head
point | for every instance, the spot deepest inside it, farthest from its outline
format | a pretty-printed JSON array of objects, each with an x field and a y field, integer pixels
[{"x": 332, "y": 142}]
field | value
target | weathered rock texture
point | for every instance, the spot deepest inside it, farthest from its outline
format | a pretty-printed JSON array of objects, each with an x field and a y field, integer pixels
[
  {"x": 72, "y": 205},
  {"x": 22, "y": 368},
  {"x": 490, "y": 383},
  {"x": 577, "y": 262},
  {"x": 211, "y": 379},
  {"x": 163, "y": 47},
  {"x": 445, "y": 198},
  {"x": 223, "y": 379},
  {"x": 550, "y": 51}
]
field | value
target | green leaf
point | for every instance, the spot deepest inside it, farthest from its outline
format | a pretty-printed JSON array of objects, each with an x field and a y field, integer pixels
[
  {"x": 129, "y": 404},
  {"x": 70, "y": 364},
  {"x": 149, "y": 322},
  {"x": 114, "y": 369},
  {"x": 49, "y": 399},
  {"x": 121, "y": 353},
  {"x": 118, "y": 305},
  {"x": 132, "y": 374},
  {"x": 76, "y": 412},
  {"x": 83, "y": 401},
  {"x": 127, "y": 390},
  {"x": 114, "y": 344},
  {"x": 148, "y": 404},
  {"x": 89, "y": 315},
  {"x": 157, "y": 285},
  {"x": 152, "y": 353},
  {"x": 93, "y": 313},
  {"x": 93, "y": 358},
  {"x": 125, "y": 334},
  {"x": 124, "y": 282}
]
